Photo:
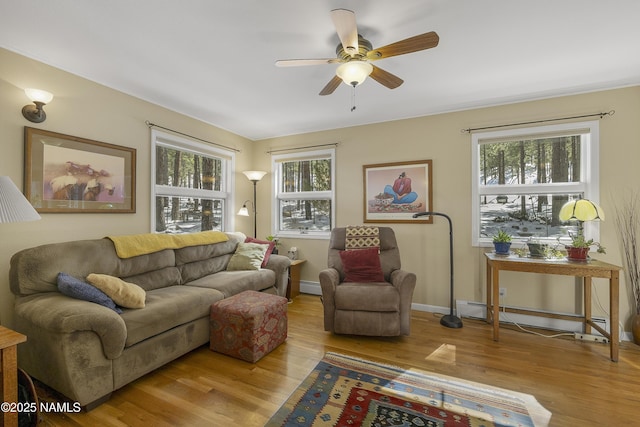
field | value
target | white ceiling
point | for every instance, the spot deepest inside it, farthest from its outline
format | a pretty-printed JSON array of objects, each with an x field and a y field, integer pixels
[{"x": 214, "y": 60}]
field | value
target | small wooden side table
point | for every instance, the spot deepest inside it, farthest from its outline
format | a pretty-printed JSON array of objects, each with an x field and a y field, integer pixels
[
  {"x": 293, "y": 290},
  {"x": 9, "y": 341},
  {"x": 586, "y": 270}
]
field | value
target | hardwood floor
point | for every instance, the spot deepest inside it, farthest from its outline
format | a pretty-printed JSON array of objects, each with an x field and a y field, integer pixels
[{"x": 574, "y": 380}]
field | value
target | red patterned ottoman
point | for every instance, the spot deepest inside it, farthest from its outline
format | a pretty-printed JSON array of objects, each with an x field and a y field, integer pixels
[{"x": 248, "y": 325}]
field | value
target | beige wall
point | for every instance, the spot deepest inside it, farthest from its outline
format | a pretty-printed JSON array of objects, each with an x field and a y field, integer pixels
[
  {"x": 424, "y": 248},
  {"x": 89, "y": 110}
]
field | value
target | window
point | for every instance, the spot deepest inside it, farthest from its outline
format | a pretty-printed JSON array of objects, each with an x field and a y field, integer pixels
[
  {"x": 192, "y": 185},
  {"x": 522, "y": 178},
  {"x": 304, "y": 193}
]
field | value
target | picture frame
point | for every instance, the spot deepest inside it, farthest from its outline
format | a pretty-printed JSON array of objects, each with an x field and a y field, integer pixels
[
  {"x": 69, "y": 174},
  {"x": 393, "y": 192}
]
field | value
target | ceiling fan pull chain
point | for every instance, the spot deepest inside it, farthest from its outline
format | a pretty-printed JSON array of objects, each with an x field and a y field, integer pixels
[{"x": 353, "y": 98}]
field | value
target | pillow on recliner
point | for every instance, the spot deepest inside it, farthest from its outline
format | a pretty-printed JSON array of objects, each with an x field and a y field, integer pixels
[
  {"x": 362, "y": 265},
  {"x": 76, "y": 288}
]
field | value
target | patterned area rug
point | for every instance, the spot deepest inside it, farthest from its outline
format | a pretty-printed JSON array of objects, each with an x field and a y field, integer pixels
[{"x": 346, "y": 391}]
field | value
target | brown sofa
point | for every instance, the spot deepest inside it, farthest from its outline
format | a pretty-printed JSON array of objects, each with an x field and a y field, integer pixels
[{"x": 85, "y": 350}]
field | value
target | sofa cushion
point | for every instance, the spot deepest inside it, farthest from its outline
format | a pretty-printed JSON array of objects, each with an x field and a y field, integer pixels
[
  {"x": 234, "y": 282},
  {"x": 123, "y": 293},
  {"x": 367, "y": 297},
  {"x": 199, "y": 253},
  {"x": 161, "y": 278},
  {"x": 167, "y": 308},
  {"x": 362, "y": 265},
  {"x": 79, "y": 289},
  {"x": 197, "y": 269},
  {"x": 270, "y": 249},
  {"x": 248, "y": 256}
]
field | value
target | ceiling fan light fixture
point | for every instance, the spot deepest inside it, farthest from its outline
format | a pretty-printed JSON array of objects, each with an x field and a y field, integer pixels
[{"x": 353, "y": 73}]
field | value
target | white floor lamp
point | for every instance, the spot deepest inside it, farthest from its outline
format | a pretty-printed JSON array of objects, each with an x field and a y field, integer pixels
[
  {"x": 450, "y": 320},
  {"x": 254, "y": 176}
]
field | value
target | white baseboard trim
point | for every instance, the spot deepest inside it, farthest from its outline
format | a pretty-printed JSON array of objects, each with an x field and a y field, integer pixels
[{"x": 477, "y": 310}]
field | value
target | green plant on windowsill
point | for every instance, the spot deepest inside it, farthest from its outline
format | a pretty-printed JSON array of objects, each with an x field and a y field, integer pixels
[
  {"x": 502, "y": 243},
  {"x": 276, "y": 240},
  {"x": 579, "y": 241},
  {"x": 502, "y": 237}
]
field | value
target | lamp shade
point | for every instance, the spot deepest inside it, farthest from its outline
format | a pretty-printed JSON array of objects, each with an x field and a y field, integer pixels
[
  {"x": 243, "y": 211},
  {"x": 14, "y": 207},
  {"x": 581, "y": 210},
  {"x": 37, "y": 95},
  {"x": 254, "y": 175},
  {"x": 354, "y": 73}
]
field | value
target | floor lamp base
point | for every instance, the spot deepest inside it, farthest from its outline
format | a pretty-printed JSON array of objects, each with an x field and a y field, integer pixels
[{"x": 451, "y": 321}]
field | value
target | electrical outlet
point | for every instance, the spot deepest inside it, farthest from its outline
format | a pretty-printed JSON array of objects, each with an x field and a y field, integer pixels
[{"x": 502, "y": 292}]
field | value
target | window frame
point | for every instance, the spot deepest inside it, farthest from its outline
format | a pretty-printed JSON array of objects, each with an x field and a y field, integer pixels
[
  {"x": 188, "y": 145},
  {"x": 276, "y": 162},
  {"x": 589, "y": 183}
]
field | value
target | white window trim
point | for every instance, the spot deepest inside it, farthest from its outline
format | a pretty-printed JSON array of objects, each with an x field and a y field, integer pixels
[
  {"x": 276, "y": 160},
  {"x": 185, "y": 144},
  {"x": 590, "y": 179}
]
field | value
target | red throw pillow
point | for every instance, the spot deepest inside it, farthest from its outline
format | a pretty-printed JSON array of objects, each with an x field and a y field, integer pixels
[
  {"x": 271, "y": 244},
  {"x": 362, "y": 265}
]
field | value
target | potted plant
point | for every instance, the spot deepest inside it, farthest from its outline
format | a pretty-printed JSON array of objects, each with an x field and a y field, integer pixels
[
  {"x": 502, "y": 242},
  {"x": 580, "y": 246},
  {"x": 276, "y": 240},
  {"x": 537, "y": 249}
]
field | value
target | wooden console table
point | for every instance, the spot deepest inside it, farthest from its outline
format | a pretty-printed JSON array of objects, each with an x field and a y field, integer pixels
[
  {"x": 9, "y": 341},
  {"x": 586, "y": 270}
]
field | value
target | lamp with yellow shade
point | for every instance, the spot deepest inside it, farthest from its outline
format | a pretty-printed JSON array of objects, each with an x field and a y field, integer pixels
[{"x": 581, "y": 210}]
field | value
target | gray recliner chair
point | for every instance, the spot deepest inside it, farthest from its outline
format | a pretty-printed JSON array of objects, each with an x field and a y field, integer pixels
[{"x": 373, "y": 308}]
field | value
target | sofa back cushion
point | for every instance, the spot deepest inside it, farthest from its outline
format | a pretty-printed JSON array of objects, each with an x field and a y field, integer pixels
[
  {"x": 35, "y": 270},
  {"x": 198, "y": 261}
]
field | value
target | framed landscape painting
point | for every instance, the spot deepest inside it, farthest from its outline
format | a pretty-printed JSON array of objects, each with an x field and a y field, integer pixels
[
  {"x": 66, "y": 173},
  {"x": 393, "y": 192}
]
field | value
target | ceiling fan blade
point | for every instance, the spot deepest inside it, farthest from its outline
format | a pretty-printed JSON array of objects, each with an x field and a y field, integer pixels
[
  {"x": 345, "y": 22},
  {"x": 303, "y": 62},
  {"x": 385, "y": 78},
  {"x": 331, "y": 86},
  {"x": 412, "y": 44}
]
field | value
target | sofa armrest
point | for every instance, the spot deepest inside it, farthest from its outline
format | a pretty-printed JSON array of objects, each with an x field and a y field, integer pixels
[
  {"x": 329, "y": 280},
  {"x": 58, "y": 313},
  {"x": 280, "y": 265}
]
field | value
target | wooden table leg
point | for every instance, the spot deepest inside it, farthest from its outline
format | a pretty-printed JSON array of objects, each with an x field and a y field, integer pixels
[
  {"x": 587, "y": 304},
  {"x": 488, "y": 284},
  {"x": 495, "y": 273},
  {"x": 614, "y": 302},
  {"x": 9, "y": 385}
]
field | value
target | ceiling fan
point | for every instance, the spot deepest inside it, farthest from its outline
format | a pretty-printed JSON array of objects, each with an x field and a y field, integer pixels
[{"x": 355, "y": 54}]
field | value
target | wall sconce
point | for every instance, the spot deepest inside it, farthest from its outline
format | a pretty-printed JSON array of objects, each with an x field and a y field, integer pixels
[{"x": 34, "y": 113}]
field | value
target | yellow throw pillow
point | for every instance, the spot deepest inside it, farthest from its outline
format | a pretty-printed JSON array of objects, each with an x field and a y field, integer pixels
[
  {"x": 122, "y": 293},
  {"x": 248, "y": 256}
]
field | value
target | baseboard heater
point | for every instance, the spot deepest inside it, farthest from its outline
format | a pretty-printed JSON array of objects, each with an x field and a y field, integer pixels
[{"x": 478, "y": 310}]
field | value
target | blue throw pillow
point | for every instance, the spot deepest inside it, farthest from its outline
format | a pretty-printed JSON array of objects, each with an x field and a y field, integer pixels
[{"x": 78, "y": 289}]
